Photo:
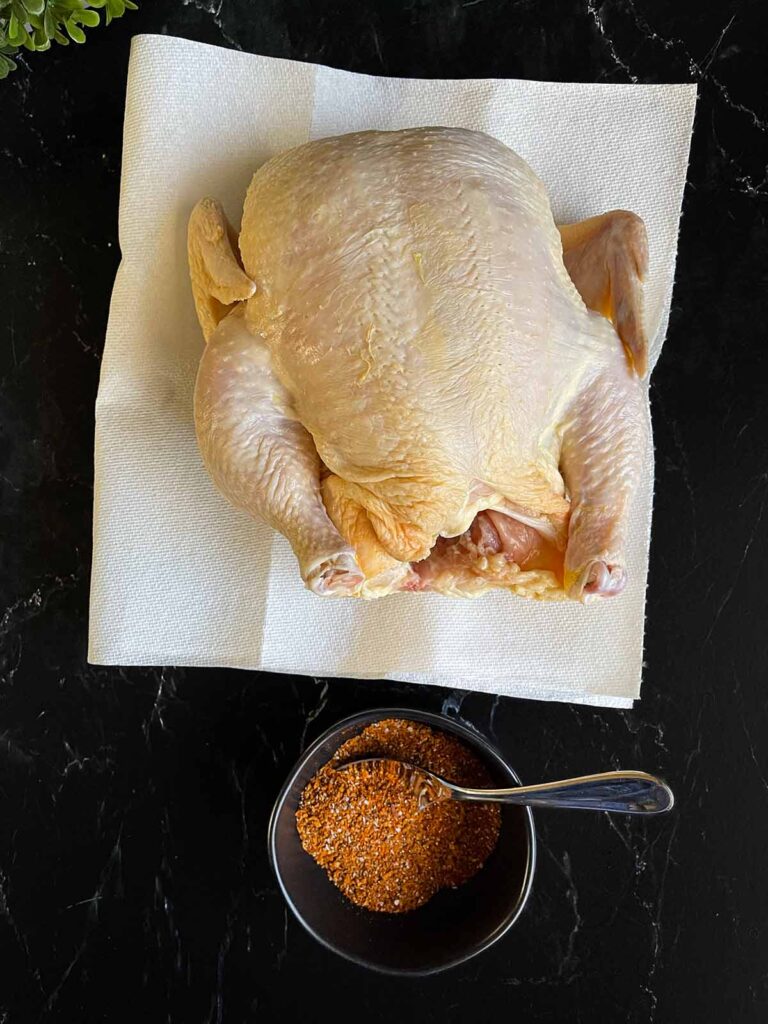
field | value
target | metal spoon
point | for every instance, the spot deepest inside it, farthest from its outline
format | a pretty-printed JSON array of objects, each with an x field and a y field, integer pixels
[{"x": 629, "y": 792}]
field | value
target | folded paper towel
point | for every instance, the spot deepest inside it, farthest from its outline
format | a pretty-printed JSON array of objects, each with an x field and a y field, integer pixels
[{"x": 180, "y": 577}]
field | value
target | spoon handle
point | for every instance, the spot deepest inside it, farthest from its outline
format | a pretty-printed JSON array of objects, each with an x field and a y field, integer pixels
[{"x": 629, "y": 792}]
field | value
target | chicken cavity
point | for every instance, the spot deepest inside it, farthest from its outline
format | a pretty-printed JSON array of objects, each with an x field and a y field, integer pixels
[{"x": 496, "y": 551}]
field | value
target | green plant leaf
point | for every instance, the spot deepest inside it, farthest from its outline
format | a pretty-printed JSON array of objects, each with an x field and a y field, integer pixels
[
  {"x": 76, "y": 34},
  {"x": 6, "y": 65},
  {"x": 17, "y": 34},
  {"x": 35, "y": 24}
]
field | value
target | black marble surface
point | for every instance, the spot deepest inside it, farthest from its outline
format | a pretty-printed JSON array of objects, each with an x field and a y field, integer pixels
[{"x": 134, "y": 883}]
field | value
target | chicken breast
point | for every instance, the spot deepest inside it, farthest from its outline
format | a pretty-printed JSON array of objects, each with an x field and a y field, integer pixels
[{"x": 412, "y": 373}]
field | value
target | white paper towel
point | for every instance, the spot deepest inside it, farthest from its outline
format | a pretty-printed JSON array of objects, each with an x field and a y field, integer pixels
[{"x": 179, "y": 577}]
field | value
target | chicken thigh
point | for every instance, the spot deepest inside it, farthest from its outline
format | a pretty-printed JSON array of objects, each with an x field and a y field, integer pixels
[{"x": 416, "y": 376}]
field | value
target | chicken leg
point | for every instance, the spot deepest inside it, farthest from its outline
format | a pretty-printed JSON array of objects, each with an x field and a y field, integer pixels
[
  {"x": 267, "y": 463},
  {"x": 600, "y": 460}
]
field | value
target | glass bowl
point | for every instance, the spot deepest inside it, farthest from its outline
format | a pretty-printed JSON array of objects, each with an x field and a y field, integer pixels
[{"x": 455, "y": 924}]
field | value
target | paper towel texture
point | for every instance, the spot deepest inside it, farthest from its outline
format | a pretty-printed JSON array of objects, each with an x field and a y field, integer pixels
[{"x": 179, "y": 576}]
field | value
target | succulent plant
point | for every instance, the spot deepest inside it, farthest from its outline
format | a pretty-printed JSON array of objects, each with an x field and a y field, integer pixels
[{"x": 36, "y": 24}]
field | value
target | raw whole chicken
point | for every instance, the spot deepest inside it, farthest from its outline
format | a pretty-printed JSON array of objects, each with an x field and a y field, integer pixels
[{"x": 417, "y": 377}]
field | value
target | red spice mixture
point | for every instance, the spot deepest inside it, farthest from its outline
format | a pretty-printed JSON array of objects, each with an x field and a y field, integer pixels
[{"x": 364, "y": 827}]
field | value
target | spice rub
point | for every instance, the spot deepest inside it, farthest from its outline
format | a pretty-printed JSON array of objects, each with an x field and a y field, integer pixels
[{"x": 364, "y": 827}]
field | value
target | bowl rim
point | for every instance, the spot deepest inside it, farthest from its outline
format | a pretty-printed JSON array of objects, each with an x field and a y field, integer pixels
[{"x": 439, "y": 720}]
